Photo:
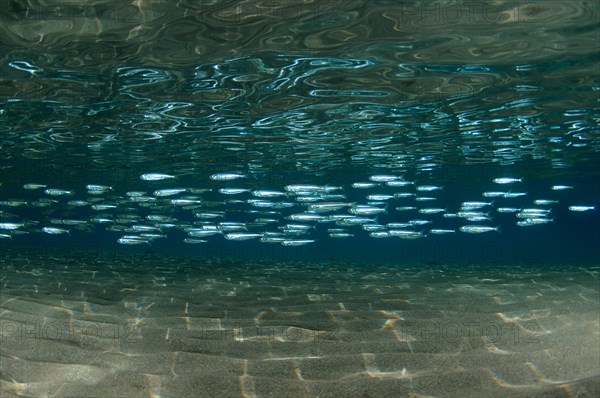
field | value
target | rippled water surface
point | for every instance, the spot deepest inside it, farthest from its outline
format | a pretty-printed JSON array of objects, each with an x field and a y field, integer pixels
[{"x": 194, "y": 87}]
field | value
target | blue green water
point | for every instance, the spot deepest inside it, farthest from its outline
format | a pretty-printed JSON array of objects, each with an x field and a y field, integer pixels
[{"x": 231, "y": 136}]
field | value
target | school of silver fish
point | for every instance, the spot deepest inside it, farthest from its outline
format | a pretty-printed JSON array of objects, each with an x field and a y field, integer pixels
[{"x": 289, "y": 216}]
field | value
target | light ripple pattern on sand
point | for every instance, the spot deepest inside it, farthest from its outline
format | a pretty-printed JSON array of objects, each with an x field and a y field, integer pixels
[{"x": 77, "y": 326}]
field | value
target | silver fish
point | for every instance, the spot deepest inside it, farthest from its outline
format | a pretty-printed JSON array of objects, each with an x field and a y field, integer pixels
[
  {"x": 507, "y": 180},
  {"x": 383, "y": 178},
  {"x": 232, "y": 191},
  {"x": 242, "y": 236},
  {"x": 296, "y": 242},
  {"x": 582, "y": 208},
  {"x": 364, "y": 185},
  {"x": 441, "y": 231},
  {"x": 544, "y": 202},
  {"x": 226, "y": 176},
  {"x": 33, "y": 186},
  {"x": 10, "y": 226},
  {"x": 428, "y": 188},
  {"x": 57, "y": 192},
  {"x": 155, "y": 176},
  {"x": 477, "y": 229},
  {"x": 398, "y": 183},
  {"x": 169, "y": 192},
  {"x": 362, "y": 210},
  {"x": 431, "y": 211},
  {"x": 55, "y": 231}
]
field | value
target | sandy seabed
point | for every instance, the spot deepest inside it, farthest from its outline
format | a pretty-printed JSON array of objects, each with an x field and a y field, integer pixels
[{"x": 75, "y": 324}]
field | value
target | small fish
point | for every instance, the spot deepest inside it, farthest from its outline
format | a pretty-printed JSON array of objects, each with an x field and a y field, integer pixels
[
  {"x": 13, "y": 203},
  {"x": 268, "y": 193},
  {"x": 464, "y": 214},
  {"x": 536, "y": 211},
  {"x": 232, "y": 191},
  {"x": 304, "y": 217},
  {"x": 142, "y": 199},
  {"x": 101, "y": 220},
  {"x": 293, "y": 232},
  {"x": 133, "y": 194},
  {"x": 308, "y": 199},
  {"x": 98, "y": 188},
  {"x": 133, "y": 240},
  {"x": 193, "y": 241},
  {"x": 67, "y": 222},
  {"x": 372, "y": 227},
  {"x": 103, "y": 207},
  {"x": 406, "y": 208},
  {"x": 155, "y": 176},
  {"x": 494, "y": 194},
  {"x": 383, "y": 178},
  {"x": 431, "y": 211},
  {"x": 226, "y": 176},
  {"x": 428, "y": 188},
  {"x": 419, "y": 222},
  {"x": 534, "y": 221},
  {"x": 199, "y": 190},
  {"x": 185, "y": 202},
  {"x": 507, "y": 210},
  {"x": 146, "y": 228},
  {"x": 260, "y": 203},
  {"x": 338, "y": 235},
  {"x": 364, "y": 185},
  {"x": 477, "y": 218},
  {"x": 273, "y": 239},
  {"x": 296, "y": 242},
  {"x": 380, "y": 197},
  {"x": 475, "y": 205},
  {"x": 424, "y": 199},
  {"x": 380, "y": 234},
  {"x": 561, "y": 187},
  {"x": 354, "y": 221},
  {"x": 158, "y": 217},
  {"x": 403, "y": 234},
  {"x": 43, "y": 202},
  {"x": 207, "y": 215},
  {"x": 441, "y": 231},
  {"x": 57, "y": 192},
  {"x": 260, "y": 220},
  {"x": 10, "y": 226},
  {"x": 544, "y": 201},
  {"x": 507, "y": 180},
  {"x": 324, "y": 207},
  {"x": 363, "y": 210},
  {"x": 400, "y": 195},
  {"x": 398, "y": 183},
  {"x": 310, "y": 188},
  {"x": 55, "y": 231},
  {"x": 242, "y": 236},
  {"x": 394, "y": 225},
  {"x": 33, "y": 186},
  {"x": 514, "y": 194},
  {"x": 582, "y": 208},
  {"x": 169, "y": 192},
  {"x": 153, "y": 236},
  {"x": 477, "y": 229},
  {"x": 299, "y": 226},
  {"x": 201, "y": 233},
  {"x": 78, "y": 203}
]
